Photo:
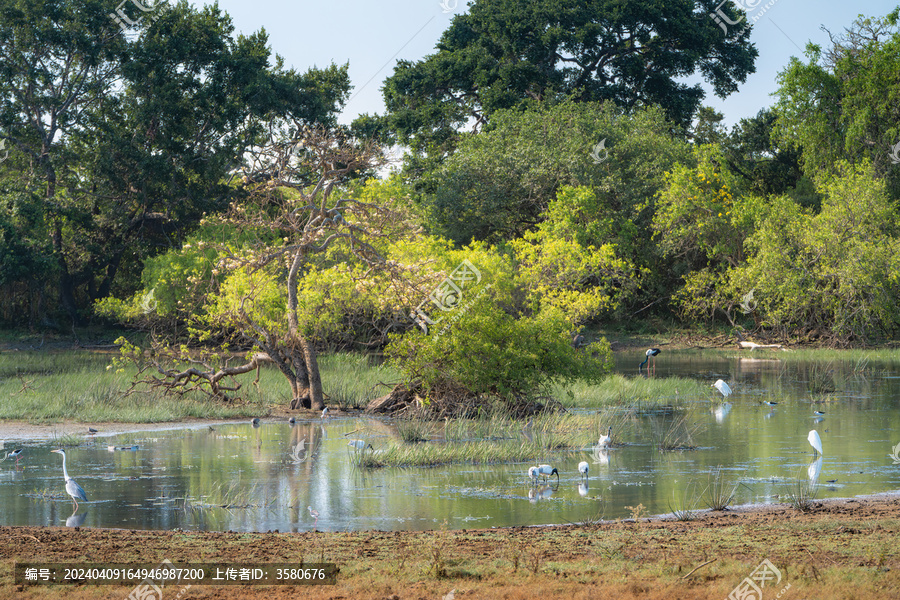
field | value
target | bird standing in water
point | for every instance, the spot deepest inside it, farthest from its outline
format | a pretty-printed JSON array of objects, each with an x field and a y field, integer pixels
[
  {"x": 17, "y": 454},
  {"x": 314, "y": 514},
  {"x": 72, "y": 487},
  {"x": 651, "y": 353}
]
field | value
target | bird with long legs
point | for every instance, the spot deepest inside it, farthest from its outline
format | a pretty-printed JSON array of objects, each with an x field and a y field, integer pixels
[
  {"x": 815, "y": 441},
  {"x": 72, "y": 487},
  {"x": 583, "y": 469},
  {"x": 17, "y": 454},
  {"x": 651, "y": 354},
  {"x": 314, "y": 514}
]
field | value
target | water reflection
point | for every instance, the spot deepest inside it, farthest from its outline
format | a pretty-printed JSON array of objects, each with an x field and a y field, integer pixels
[{"x": 244, "y": 478}]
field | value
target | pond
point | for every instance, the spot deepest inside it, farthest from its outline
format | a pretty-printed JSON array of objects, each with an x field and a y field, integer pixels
[{"x": 267, "y": 476}]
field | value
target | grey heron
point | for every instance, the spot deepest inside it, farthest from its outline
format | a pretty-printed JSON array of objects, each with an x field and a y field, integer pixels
[{"x": 72, "y": 487}]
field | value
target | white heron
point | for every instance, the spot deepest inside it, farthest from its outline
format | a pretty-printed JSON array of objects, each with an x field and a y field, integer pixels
[
  {"x": 325, "y": 413},
  {"x": 548, "y": 471},
  {"x": 314, "y": 514},
  {"x": 359, "y": 445},
  {"x": 815, "y": 441},
  {"x": 722, "y": 387},
  {"x": 583, "y": 469},
  {"x": 605, "y": 440},
  {"x": 72, "y": 487}
]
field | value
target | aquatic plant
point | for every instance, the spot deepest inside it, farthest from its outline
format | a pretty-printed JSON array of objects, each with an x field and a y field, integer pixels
[{"x": 719, "y": 491}]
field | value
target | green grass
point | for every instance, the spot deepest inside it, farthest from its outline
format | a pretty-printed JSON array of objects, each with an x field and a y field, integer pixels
[
  {"x": 640, "y": 393},
  {"x": 76, "y": 385}
]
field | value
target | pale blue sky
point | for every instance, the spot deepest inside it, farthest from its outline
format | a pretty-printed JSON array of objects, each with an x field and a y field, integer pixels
[{"x": 373, "y": 35}]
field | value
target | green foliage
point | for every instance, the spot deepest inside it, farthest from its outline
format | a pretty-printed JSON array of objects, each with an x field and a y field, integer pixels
[
  {"x": 505, "y": 54},
  {"x": 837, "y": 271},
  {"x": 843, "y": 103},
  {"x": 499, "y": 182},
  {"x": 502, "y": 340}
]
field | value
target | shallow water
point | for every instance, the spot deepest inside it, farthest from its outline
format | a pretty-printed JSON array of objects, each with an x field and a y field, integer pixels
[{"x": 177, "y": 478}]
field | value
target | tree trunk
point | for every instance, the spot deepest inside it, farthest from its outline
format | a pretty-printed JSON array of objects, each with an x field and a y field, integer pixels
[{"x": 316, "y": 397}]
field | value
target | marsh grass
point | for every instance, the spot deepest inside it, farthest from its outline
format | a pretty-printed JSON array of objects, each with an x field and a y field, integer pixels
[
  {"x": 233, "y": 495},
  {"x": 672, "y": 433},
  {"x": 687, "y": 507},
  {"x": 638, "y": 392},
  {"x": 413, "y": 430},
  {"x": 801, "y": 494},
  {"x": 719, "y": 491},
  {"x": 52, "y": 386}
]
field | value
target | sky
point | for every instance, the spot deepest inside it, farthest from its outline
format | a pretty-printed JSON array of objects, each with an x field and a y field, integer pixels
[{"x": 372, "y": 35}]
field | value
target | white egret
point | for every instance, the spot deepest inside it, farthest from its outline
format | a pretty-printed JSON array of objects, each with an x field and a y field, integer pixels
[
  {"x": 548, "y": 471},
  {"x": 815, "y": 441},
  {"x": 722, "y": 387},
  {"x": 583, "y": 468},
  {"x": 605, "y": 440},
  {"x": 325, "y": 413},
  {"x": 314, "y": 514},
  {"x": 651, "y": 353},
  {"x": 72, "y": 487}
]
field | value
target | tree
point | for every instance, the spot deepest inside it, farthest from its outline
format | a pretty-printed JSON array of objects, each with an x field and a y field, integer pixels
[
  {"x": 843, "y": 104},
  {"x": 130, "y": 136},
  {"x": 499, "y": 183},
  {"x": 505, "y": 54},
  {"x": 292, "y": 213}
]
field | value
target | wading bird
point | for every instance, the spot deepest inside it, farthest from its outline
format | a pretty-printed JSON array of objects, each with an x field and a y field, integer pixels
[
  {"x": 292, "y": 420},
  {"x": 722, "y": 387},
  {"x": 815, "y": 441},
  {"x": 583, "y": 469},
  {"x": 325, "y": 413},
  {"x": 769, "y": 403},
  {"x": 359, "y": 445},
  {"x": 254, "y": 422},
  {"x": 533, "y": 474},
  {"x": 72, "y": 487},
  {"x": 651, "y": 353},
  {"x": 314, "y": 514},
  {"x": 17, "y": 453},
  {"x": 548, "y": 471},
  {"x": 818, "y": 413},
  {"x": 605, "y": 440},
  {"x": 91, "y": 431}
]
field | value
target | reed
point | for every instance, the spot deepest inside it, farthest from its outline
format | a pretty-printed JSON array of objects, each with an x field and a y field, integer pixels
[{"x": 719, "y": 491}]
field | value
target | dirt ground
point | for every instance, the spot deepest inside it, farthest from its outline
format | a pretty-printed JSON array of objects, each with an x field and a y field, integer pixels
[{"x": 842, "y": 549}]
